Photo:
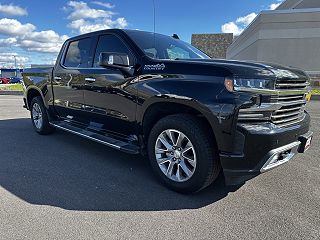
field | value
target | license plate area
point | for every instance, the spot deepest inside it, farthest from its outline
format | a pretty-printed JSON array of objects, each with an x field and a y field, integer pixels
[{"x": 305, "y": 143}]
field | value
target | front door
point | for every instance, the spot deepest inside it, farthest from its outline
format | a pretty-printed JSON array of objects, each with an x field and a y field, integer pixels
[{"x": 109, "y": 96}]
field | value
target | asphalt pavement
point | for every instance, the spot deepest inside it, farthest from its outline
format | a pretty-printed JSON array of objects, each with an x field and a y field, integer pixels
[{"x": 64, "y": 187}]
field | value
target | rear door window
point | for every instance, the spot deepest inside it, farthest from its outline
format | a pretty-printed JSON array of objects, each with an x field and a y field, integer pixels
[{"x": 78, "y": 53}]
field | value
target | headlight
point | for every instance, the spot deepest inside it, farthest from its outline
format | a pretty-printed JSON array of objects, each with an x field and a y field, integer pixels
[{"x": 240, "y": 84}]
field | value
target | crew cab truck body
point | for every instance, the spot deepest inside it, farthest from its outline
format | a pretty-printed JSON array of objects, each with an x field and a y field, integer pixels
[{"x": 193, "y": 116}]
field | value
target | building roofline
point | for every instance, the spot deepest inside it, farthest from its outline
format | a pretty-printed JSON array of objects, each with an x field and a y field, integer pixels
[{"x": 286, "y": 2}]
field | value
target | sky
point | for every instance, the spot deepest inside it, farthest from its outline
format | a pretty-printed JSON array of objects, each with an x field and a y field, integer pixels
[{"x": 32, "y": 31}]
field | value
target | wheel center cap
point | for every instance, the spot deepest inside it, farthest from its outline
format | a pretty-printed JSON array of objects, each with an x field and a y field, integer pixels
[{"x": 177, "y": 154}]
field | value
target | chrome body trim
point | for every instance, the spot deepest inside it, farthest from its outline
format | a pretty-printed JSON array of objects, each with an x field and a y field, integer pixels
[
  {"x": 293, "y": 147},
  {"x": 279, "y": 92}
]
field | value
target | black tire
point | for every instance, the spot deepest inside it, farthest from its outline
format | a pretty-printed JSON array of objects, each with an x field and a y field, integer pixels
[
  {"x": 44, "y": 128},
  {"x": 207, "y": 159}
]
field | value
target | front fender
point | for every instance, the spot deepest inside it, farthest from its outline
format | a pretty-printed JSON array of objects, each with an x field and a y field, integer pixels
[
  {"x": 219, "y": 116},
  {"x": 205, "y": 94}
]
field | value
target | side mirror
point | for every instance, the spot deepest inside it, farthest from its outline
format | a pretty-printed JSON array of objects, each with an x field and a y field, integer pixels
[
  {"x": 115, "y": 60},
  {"x": 118, "y": 61}
]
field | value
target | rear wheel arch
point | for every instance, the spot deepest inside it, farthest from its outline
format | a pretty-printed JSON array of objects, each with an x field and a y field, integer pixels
[
  {"x": 33, "y": 92},
  {"x": 39, "y": 116}
]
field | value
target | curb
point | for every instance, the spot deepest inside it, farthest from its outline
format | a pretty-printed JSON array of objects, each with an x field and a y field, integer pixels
[{"x": 17, "y": 93}]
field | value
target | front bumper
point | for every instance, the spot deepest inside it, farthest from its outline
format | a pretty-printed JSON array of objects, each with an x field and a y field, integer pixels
[{"x": 262, "y": 147}]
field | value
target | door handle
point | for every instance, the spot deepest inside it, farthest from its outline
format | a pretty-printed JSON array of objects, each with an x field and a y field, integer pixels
[
  {"x": 89, "y": 79},
  {"x": 57, "y": 78}
]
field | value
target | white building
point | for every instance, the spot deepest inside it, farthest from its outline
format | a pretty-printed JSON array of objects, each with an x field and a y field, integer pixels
[{"x": 289, "y": 35}]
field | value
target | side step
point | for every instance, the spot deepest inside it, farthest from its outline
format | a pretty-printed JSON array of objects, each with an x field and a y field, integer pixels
[{"x": 103, "y": 139}]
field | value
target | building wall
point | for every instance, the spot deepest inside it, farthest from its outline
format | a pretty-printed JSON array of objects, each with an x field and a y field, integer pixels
[
  {"x": 214, "y": 45},
  {"x": 287, "y": 37}
]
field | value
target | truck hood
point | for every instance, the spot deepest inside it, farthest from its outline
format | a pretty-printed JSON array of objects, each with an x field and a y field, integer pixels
[{"x": 253, "y": 70}]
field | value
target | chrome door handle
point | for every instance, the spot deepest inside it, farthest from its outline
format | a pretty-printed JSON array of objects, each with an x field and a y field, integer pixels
[
  {"x": 89, "y": 79},
  {"x": 57, "y": 78}
]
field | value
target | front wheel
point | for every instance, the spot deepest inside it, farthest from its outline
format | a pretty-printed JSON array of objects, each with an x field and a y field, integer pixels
[
  {"x": 39, "y": 117},
  {"x": 182, "y": 153}
]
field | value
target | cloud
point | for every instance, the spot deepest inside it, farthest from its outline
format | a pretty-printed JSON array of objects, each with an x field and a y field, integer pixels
[
  {"x": 239, "y": 25},
  {"x": 83, "y": 26},
  {"x": 85, "y": 19},
  {"x": 273, "y": 6},
  {"x": 12, "y": 10},
  {"x": 9, "y": 57},
  {"x": 44, "y": 41},
  {"x": 103, "y": 4},
  {"x": 8, "y": 42},
  {"x": 25, "y": 37},
  {"x": 231, "y": 27},
  {"x": 246, "y": 20},
  {"x": 49, "y": 60},
  {"x": 81, "y": 10},
  {"x": 12, "y": 27}
]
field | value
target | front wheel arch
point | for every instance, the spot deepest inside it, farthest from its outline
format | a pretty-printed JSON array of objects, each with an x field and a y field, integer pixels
[
  {"x": 207, "y": 158},
  {"x": 158, "y": 110}
]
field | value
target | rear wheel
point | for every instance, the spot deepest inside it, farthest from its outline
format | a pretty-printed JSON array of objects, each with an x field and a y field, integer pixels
[
  {"x": 182, "y": 154},
  {"x": 39, "y": 117}
]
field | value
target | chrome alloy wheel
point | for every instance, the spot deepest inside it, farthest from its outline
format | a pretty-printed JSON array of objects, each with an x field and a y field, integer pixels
[
  {"x": 175, "y": 155},
  {"x": 37, "y": 115}
]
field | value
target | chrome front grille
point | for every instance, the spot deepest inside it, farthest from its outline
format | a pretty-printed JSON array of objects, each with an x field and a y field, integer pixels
[
  {"x": 293, "y": 106},
  {"x": 292, "y": 84},
  {"x": 291, "y": 110},
  {"x": 283, "y": 106}
]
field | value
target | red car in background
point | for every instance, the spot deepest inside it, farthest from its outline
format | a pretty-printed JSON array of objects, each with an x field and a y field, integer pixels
[{"x": 4, "y": 80}]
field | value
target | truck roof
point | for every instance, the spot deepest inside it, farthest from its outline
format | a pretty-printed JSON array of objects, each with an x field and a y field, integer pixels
[{"x": 113, "y": 30}]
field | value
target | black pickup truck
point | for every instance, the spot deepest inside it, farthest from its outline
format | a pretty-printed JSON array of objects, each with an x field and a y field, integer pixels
[{"x": 146, "y": 93}]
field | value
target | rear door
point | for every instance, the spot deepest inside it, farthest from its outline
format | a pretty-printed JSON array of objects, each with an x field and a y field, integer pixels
[
  {"x": 69, "y": 79},
  {"x": 110, "y": 97}
]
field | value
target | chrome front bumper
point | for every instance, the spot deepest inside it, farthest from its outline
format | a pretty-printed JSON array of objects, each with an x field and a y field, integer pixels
[{"x": 281, "y": 155}]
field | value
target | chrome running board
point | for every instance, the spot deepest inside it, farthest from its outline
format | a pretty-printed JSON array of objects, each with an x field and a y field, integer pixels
[{"x": 103, "y": 139}]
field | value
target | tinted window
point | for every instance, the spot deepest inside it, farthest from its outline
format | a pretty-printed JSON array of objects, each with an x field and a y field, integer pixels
[
  {"x": 164, "y": 47},
  {"x": 177, "y": 52},
  {"x": 78, "y": 53},
  {"x": 110, "y": 43}
]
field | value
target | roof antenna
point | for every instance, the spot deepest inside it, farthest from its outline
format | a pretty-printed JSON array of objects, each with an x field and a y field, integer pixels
[
  {"x": 154, "y": 16},
  {"x": 154, "y": 23}
]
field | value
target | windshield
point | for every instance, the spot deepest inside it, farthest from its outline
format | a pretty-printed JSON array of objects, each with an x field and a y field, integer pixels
[{"x": 160, "y": 46}]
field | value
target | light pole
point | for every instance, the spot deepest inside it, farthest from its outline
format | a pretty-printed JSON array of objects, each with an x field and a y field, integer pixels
[{"x": 15, "y": 61}]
